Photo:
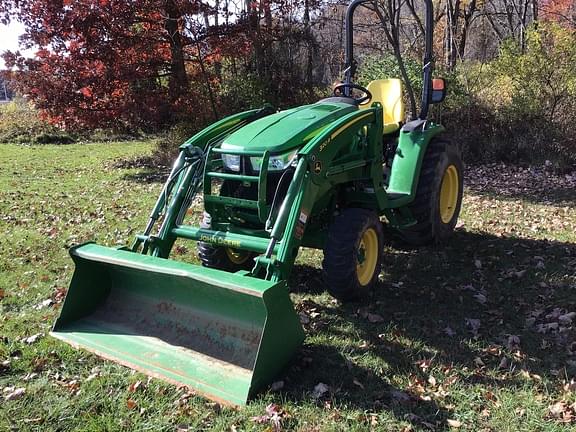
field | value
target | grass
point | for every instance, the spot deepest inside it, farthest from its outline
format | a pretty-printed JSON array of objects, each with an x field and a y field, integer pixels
[{"x": 476, "y": 335}]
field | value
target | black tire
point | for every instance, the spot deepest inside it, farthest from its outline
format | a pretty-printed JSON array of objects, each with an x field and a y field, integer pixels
[
  {"x": 221, "y": 257},
  {"x": 342, "y": 273},
  {"x": 436, "y": 219}
]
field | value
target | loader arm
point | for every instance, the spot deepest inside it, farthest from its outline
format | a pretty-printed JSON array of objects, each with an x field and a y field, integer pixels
[{"x": 184, "y": 181}]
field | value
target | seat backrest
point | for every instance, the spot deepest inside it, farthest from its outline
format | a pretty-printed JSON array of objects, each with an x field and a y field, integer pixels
[{"x": 389, "y": 93}]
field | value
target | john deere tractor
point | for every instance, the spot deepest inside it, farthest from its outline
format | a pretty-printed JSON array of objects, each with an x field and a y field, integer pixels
[{"x": 322, "y": 176}]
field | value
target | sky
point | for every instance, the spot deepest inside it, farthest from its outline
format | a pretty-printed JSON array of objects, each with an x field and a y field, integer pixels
[{"x": 9, "y": 38}]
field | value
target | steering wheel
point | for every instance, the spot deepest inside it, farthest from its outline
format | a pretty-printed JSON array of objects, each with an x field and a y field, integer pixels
[{"x": 360, "y": 100}]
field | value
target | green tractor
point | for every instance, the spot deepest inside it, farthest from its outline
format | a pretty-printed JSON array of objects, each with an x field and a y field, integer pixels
[{"x": 320, "y": 176}]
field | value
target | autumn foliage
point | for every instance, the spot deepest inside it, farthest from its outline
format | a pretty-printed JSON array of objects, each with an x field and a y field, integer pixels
[
  {"x": 110, "y": 63},
  {"x": 560, "y": 11},
  {"x": 153, "y": 63}
]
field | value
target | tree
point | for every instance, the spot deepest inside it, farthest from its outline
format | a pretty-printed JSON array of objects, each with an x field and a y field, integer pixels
[
  {"x": 459, "y": 16},
  {"x": 103, "y": 63},
  {"x": 560, "y": 11},
  {"x": 511, "y": 18},
  {"x": 152, "y": 63}
]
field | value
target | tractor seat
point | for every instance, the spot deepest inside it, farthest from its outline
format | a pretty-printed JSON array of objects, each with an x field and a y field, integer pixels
[{"x": 388, "y": 92}]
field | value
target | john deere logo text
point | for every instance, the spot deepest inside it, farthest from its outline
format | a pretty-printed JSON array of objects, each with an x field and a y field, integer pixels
[
  {"x": 325, "y": 143},
  {"x": 220, "y": 241}
]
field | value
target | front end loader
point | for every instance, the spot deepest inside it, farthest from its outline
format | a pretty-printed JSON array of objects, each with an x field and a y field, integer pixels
[{"x": 319, "y": 176}]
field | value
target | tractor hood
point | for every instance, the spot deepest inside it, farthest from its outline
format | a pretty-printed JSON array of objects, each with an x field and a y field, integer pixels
[{"x": 286, "y": 130}]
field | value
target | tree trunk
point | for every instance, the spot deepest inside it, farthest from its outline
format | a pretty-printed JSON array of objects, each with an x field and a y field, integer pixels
[
  {"x": 178, "y": 81},
  {"x": 468, "y": 15},
  {"x": 207, "y": 81},
  {"x": 452, "y": 25}
]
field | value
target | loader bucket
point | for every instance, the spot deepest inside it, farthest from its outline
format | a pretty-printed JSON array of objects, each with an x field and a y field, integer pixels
[{"x": 222, "y": 334}]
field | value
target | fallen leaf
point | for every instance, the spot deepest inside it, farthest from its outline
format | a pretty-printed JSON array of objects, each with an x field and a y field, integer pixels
[
  {"x": 480, "y": 298},
  {"x": 30, "y": 376},
  {"x": 31, "y": 339},
  {"x": 374, "y": 318},
  {"x": 277, "y": 385},
  {"x": 400, "y": 396},
  {"x": 566, "y": 318},
  {"x": 274, "y": 415},
  {"x": 490, "y": 396},
  {"x": 364, "y": 344},
  {"x": 15, "y": 393},
  {"x": 5, "y": 365},
  {"x": 454, "y": 423},
  {"x": 513, "y": 342},
  {"x": 45, "y": 303},
  {"x": 134, "y": 386},
  {"x": 557, "y": 409},
  {"x": 423, "y": 364},
  {"x": 473, "y": 324},
  {"x": 33, "y": 420},
  {"x": 570, "y": 386},
  {"x": 130, "y": 404},
  {"x": 92, "y": 376},
  {"x": 319, "y": 390}
]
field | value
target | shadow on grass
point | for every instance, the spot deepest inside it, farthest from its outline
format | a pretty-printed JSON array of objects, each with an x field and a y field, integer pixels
[
  {"x": 535, "y": 185},
  {"x": 480, "y": 309}
]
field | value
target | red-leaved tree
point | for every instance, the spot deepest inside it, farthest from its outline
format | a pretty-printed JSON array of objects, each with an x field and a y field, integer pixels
[
  {"x": 108, "y": 63},
  {"x": 152, "y": 63},
  {"x": 560, "y": 11}
]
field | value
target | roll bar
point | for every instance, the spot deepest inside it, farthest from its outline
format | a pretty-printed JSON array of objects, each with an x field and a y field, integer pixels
[{"x": 351, "y": 64}]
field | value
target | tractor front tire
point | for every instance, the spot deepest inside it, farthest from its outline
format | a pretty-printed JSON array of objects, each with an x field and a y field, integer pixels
[
  {"x": 438, "y": 200},
  {"x": 353, "y": 254},
  {"x": 221, "y": 257}
]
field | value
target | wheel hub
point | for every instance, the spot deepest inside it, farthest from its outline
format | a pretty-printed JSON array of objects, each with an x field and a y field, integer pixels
[
  {"x": 367, "y": 256},
  {"x": 449, "y": 193},
  {"x": 237, "y": 256}
]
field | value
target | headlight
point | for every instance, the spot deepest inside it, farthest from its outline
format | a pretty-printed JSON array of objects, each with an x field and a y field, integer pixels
[
  {"x": 275, "y": 163},
  {"x": 232, "y": 162}
]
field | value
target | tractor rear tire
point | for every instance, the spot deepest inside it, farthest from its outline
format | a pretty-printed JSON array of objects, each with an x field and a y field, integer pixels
[
  {"x": 353, "y": 254},
  {"x": 438, "y": 200},
  {"x": 221, "y": 257}
]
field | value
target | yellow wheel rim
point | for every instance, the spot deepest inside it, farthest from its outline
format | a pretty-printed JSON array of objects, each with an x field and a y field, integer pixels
[
  {"x": 449, "y": 193},
  {"x": 367, "y": 256},
  {"x": 236, "y": 256}
]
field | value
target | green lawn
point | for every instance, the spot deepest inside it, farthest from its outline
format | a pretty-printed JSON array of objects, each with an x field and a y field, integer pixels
[{"x": 477, "y": 335}]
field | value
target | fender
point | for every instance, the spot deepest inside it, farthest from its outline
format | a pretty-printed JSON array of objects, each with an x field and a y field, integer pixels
[{"x": 412, "y": 145}]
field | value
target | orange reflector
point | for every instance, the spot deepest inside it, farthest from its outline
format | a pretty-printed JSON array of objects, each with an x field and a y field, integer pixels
[{"x": 438, "y": 83}]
